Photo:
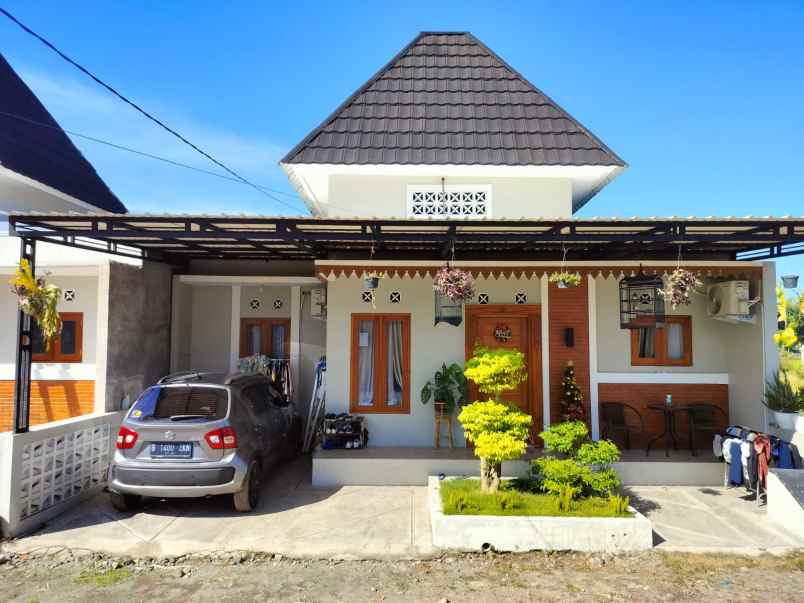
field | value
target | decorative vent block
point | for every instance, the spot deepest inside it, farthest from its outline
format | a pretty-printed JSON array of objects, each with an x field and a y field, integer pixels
[
  {"x": 254, "y": 304},
  {"x": 395, "y": 297},
  {"x": 367, "y": 296},
  {"x": 61, "y": 467},
  {"x": 69, "y": 295},
  {"x": 452, "y": 202},
  {"x": 483, "y": 299},
  {"x": 521, "y": 298},
  {"x": 277, "y": 304}
]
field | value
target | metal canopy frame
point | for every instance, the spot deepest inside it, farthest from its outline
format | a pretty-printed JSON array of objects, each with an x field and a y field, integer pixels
[{"x": 179, "y": 238}]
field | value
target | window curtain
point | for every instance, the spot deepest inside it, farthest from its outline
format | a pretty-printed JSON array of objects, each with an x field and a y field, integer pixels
[
  {"x": 278, "y": 342},
  {"x": 254, "y": 340},
  {"x": 675, "y": 341},
  {"x": 395, "y": 386},
  {"x": 365, "y": 359},
  {"x": 647, "y": 342}
]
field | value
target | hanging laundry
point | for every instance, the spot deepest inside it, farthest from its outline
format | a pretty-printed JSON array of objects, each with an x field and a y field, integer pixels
[{"x": 762, "y": 446}]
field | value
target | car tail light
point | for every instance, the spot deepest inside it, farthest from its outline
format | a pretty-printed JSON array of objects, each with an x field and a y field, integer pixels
[
  {"x": 126, "y": 438},
  {"x": 222, "y": 438}
]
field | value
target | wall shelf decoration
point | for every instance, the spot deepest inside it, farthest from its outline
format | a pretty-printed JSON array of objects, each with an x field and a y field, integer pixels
[{"x": 502, "y": 332}]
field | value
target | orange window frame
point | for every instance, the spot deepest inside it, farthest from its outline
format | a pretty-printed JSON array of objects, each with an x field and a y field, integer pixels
[
  {"x": 380, "y": 356},
  {"x": 661, "y": 358},
  {"x": 54, "y": 354}
]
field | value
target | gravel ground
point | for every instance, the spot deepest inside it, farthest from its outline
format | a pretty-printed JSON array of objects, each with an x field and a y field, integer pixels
[{"x": 65, "y": 575}]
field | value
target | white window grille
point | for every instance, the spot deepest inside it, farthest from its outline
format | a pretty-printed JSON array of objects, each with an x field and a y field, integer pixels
[{"x": 470, "y": 202}]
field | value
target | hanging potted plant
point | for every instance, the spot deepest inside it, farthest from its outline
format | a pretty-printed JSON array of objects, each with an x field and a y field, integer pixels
[
  {"x": 38, "y": 299},
  {"x": 371, "y": 280},
  {"x": 456, "y": 284},
  {"x": 448, "y": 389},
  {"x": 565, "y": 280},
  {"x": 680, "y": 286}
]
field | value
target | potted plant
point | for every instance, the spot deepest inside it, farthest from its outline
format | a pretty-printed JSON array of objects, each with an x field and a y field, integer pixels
[
  {"x": 680, "y": 286},
  {"x": 565, "y": 280},
  {"x": 448, "y": 388},
  {"x": 38, "y": 299},
  {"x": 783, "y": 401},
  {"x": 456, "y": 284}
]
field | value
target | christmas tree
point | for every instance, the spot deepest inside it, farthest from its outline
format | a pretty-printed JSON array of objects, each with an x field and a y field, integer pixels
[{"x": 572, "y": 401}]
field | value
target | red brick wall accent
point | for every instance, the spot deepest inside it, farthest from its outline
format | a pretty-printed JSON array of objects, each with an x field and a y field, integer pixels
[
  {"x": 568, "y": 308},
  {"x": 640, "y": 395},
  {"x": 50, "y": 401}
]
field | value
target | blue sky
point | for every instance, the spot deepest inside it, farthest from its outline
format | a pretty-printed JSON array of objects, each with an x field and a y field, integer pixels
[{"x": 703, "y": 99}]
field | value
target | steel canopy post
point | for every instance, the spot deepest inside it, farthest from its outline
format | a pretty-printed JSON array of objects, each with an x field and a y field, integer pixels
[{"x": 22, "y": 378}]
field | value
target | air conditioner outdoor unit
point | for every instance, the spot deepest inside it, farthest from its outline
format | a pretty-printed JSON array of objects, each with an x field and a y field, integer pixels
[{"x": 730, "y": 301}]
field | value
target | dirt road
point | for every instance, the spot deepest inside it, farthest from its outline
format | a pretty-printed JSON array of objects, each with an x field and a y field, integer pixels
[{"x": 72, "y": 576}]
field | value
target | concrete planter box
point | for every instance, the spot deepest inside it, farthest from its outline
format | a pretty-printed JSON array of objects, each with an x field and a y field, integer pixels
[{"x": 526, "y": 533}]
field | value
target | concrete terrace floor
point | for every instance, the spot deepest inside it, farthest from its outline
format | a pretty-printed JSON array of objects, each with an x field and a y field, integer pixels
[{"x": 373, "y": 522}]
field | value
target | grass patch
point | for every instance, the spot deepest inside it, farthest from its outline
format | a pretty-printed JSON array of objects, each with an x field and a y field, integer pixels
[
  {"x": 103, "y": 578},
  {"x": 792, "y": 364},
  {"x": 463, "y": 497}
]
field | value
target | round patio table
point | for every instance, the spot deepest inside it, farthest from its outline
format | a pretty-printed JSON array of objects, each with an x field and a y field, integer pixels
[{"x": 669, "y": 433}]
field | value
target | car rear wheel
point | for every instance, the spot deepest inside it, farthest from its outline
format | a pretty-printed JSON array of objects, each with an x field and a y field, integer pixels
[
  {"x": 247, "y": 498},
  {"x": 124, "y": 502}
]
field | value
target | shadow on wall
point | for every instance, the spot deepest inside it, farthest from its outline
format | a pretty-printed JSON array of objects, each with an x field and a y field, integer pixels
[{"x": 50, "y": 401}]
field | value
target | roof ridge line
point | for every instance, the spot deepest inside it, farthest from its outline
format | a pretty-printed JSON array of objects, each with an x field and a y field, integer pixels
[
  {"x": 549, "y": 98},
  {"x": 332, "y": 116}
]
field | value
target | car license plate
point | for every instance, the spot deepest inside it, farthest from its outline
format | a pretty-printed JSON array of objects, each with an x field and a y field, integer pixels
[{"x": 172, "y": 450}]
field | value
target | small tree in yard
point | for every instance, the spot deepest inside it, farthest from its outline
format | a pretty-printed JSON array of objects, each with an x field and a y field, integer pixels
[{"x": 498, "y": 430}]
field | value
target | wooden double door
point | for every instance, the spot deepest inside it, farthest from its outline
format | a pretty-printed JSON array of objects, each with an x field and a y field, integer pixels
[
  {"x": 267, "y": 336},
  {"x": 511, "y": 327}
]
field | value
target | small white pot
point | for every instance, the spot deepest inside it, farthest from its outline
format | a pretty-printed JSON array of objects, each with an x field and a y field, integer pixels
[{"x": 786, "y": 420}]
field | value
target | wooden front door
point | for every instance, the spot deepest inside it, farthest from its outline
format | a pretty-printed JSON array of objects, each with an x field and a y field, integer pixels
[
  {"x": 513, "y": 327},
  {"x": 267, "y": 336}
]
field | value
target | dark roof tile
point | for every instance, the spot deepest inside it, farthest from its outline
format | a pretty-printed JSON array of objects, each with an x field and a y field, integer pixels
[
  {"x": 447, "y": 98},
  {"x": 33, "y": 145}
]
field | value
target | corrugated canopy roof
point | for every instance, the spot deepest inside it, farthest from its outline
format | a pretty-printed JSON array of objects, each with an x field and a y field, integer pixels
[
  {"x": 177, "y": 238},
  {"x": 447, "y": 99}
]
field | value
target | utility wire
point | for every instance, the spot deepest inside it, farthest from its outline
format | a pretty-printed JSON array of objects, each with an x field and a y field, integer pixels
[
  {"x": 135, "y": 106},
  {"x": 138, "y": 152}
]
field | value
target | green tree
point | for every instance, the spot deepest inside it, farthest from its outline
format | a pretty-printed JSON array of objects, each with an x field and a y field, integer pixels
[{"x": 498, "y": 430}]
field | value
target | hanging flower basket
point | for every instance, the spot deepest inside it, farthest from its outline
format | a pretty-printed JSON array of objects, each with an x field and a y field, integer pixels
[
  {"x": 680, "y": 286},
  {"x": 790, "y": 281},
  {"x": 38, "y": 299},
  {"x": 455, "y": 284},
  {"x": 565, "y": 280},
  {"x": 371, "y": 280}
]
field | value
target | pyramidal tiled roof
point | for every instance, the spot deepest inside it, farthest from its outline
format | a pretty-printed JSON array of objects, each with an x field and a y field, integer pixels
[
  {"x": 33, "y": 144},
  {"x": 447, "y": 99}
]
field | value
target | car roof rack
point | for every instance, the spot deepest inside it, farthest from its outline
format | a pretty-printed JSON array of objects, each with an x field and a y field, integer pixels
[{"x": 182, "y": 376}]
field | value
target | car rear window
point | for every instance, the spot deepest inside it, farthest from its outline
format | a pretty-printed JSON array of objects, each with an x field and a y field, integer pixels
[{"x": 180, "y": 403}]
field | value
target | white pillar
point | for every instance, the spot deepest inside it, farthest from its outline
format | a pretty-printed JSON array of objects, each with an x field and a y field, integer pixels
[
  {"x": 545, "y": 293},
  {"x": 593, "y": 376},
  {"x": 295, "y": 337},
  {"x": 175, "y": 332},
  {"x": 102, "y": 337},
  {"x": 234, "y": 333},
  {"x": 768, "y": 318}
]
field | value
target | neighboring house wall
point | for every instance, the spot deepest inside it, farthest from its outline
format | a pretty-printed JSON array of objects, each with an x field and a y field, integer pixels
[
  {"x": 387, "y": 196},
  {"x": 431, "y": 345},
  {"x": 21, "y": 194}
]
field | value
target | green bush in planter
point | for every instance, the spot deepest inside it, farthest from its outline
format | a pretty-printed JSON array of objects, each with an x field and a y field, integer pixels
[{"x": 574, "y": 464}]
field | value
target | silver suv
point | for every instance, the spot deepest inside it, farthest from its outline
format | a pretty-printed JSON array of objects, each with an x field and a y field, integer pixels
[{"x": 201, "y": 434}]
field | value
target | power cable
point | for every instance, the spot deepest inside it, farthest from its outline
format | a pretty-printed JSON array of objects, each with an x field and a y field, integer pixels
[
  {"x": 135, "y": 106},
  {"x": 138, "y": 152}
]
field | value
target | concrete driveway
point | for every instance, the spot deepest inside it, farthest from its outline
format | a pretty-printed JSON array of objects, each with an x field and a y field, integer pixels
[
  {"x": 292, "y": 519},
  {"x": 373, "y": 522}
]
